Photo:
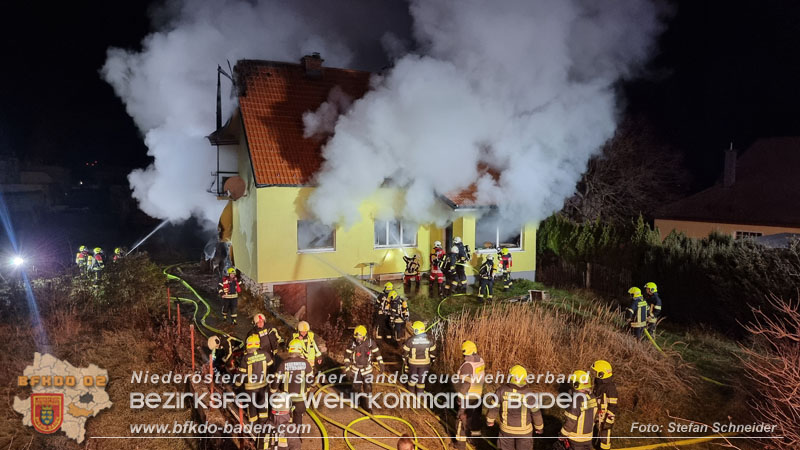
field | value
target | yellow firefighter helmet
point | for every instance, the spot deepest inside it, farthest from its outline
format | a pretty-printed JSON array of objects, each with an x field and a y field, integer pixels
[
  {"x": 253, "y": 341},
  {"x": 360, "y": 331},
  {"x": 231, "y": 270},
  {"x": 98, "y": 250},
  {"x": 388, "y": 287},
  {"x": 581, "y": 380},
  {"x": 469, "y": 348},
  {"x": 82, "y": 248},
  {"x": 635, "y": 292},
  {"x": 418, "y": 327},
  {"x": 296, "y": 346},
  {"x": 504, "y": 251},
  {"x": 602, "y": 369},
  {"x": 517, "y": 375},
  {"x": 652, "y": 286}
]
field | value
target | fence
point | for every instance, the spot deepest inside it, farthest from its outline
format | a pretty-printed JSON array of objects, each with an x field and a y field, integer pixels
[{"x": 608, "y": 282}]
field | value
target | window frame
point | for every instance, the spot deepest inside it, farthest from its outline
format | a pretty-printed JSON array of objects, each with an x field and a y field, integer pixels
[
  {"x": 315, "y": 250},
  {"x": 739, "y": 234},
  {"x": 483, "y": 251},
  {"x": 402, "y": 227}
]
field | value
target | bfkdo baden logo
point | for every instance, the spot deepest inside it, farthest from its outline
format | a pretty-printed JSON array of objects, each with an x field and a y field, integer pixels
[
  {"x": 47, "y": 412},
  {"x": 62, "y": 397}
]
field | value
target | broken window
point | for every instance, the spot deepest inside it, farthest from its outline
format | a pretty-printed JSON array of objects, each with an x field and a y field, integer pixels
[
  {"x": 395, "y": 233},
  {"x": 313, "y": 236}
]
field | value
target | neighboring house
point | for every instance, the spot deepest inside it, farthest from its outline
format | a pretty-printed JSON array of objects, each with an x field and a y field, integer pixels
[
  {"x": 759, "y": 195},
  {"x": 275, "y": 241},
  {"x": 29, "y": 192}
]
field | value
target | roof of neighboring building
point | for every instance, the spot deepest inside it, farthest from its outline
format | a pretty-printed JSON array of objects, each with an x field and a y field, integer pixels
[
  {"x": 766, "y": 190},
  {"x": 272, "y": 98}
]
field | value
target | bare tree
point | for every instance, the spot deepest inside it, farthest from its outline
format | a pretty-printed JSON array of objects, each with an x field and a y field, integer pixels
[
  {"x": 775, "y": 373},
  {"x": 635, "y": 173}
]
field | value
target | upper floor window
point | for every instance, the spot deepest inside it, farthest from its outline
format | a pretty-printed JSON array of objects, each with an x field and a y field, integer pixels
[
  {"x": 395, "y": 234},
  {"x": 313, "y": 236}
]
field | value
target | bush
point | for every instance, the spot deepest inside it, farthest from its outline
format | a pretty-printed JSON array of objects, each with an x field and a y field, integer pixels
[{"x": 775, "y": 371}]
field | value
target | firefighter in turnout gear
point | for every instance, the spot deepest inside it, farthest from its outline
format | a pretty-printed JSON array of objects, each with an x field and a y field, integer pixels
[
  {"x": 411, "y": 275},
  {"x": 117, "y": 255},
  {"x": 292, "y": 377},
  {"x": 637, "y": 312},
  {"x": 254, "y": 365},
  {"x": 97, "y": 263},
  {"x": 310, "y": 350},
  {"x": 505, "y": 267},
  {"x": 360, "y": 355},
  {"x": 381, "y": 321},
  {"x": 654, "y": 307},
  {"x": 270, "y": 339},
  {"x": 470, "y": 390},
  {"x": 229, "y": 289},
  {"x": 398, "y": 315},
  {"x": 518, "y": 420},
  {"x": 82, "y": 259},
  {"x": 463, "y": 258},
  {"x": 486, "y": 278},
  {"x": 605, "y": 392},
  {"x": 223, "y": 349},
  {"x": 419, "y": 352},
  {"x": 580, "y": 416},
  {"x": 450, "y": 272},
  {"x": 438, "y": 256}
]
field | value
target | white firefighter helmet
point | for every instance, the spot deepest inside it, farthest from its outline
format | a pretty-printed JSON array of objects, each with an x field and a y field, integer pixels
[
  {"x": 213, "y": 342},
  {"x": 454, "y": 249},
  {"x": 437, "y": 244},
  {"x": 457, "y": 240}
]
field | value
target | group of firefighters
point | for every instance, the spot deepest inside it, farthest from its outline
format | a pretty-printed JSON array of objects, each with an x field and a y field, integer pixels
[
  {"x": 91, "y": 264},
  {"x": 591, "y": 418}
]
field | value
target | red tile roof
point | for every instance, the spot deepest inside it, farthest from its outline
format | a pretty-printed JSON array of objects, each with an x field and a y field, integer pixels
[
  {"x": 272, "y": 98},
  {"x": 466, "y": 198}
]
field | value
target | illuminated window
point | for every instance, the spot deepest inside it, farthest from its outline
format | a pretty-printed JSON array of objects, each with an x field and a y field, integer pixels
[
  {"x": 313, "y": 236},
  {"x": 747, "y": 234},
  {"x": 491, "y": 233},
  {"x": 395, "y": 234}
]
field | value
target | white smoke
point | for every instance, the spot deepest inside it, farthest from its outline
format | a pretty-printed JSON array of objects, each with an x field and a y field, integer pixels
[
  {"x": 169, "y": 86},
  {"x": 323, "y": 120},
  {"x": 523, "y": 87}
]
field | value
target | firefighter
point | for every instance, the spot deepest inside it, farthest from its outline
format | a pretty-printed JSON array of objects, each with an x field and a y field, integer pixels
[
  {"x": 381, "y": 321},
  {"x": 605, "y": 392},
  {"x": 438, "y": 256},
  {"x": 654, "y": 307},
  {"x": 419, "y": 352},
  {"x": 398, "y": 316},
  {"x": 311, "y": 350},
  {"x": 270, "y": 339},
  {"x": 470, "y": 390},
  {"x": 82, "y": 259},
  {"x": 463, "y": 259},
  {"x": 451, "y": 272},
  {"x": 254, "y": 367},
  {"x": 223, "y": 349},
  {"x": 117, "y": 255},
  {"x": 576, "y": 434},
  {"x": 637, "y": 312},
  {"x": 292, "y": 378},
  {"x": 519, "y": 419},
  {"x": 359, "y": 357},
  {"x": 505, "y": 267},
  {"x": 486, "y": 278},
  {"x": 229, "y": 289},
  {"x": 411, "y": 274},
  {"x": 281, "y": 415},
  {"x": 96, "y": 263}
]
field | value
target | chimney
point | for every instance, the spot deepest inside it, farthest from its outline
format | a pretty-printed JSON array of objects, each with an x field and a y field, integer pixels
[
  {"x": 729, "y": 173},
  {"x": 312, "y": 64}
]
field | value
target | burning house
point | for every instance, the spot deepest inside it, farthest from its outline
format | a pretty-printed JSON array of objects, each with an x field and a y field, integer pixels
[{"x": 267, "y": 172}]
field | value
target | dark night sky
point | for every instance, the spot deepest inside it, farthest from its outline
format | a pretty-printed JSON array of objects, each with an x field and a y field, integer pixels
[{"x": 724, "y": 71}]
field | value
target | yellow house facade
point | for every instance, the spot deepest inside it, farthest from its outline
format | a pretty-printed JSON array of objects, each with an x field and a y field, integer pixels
[{"x": 274, "y": 238}]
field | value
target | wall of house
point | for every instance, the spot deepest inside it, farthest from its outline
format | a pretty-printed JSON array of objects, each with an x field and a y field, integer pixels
[
  {"x": 703, "y": 229},
  {"x": 244, "y": 236}
]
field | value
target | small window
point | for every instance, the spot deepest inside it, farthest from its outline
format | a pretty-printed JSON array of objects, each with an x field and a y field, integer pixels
[
  {"x": 491, "y": 232},
  {"x": 747, "y": 234},
  {"x": 395, "y": 234},
  {"x": 313, "y": 236}
]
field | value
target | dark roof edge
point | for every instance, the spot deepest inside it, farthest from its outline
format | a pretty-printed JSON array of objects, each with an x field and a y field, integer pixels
[{"x": 727, "y": 222}]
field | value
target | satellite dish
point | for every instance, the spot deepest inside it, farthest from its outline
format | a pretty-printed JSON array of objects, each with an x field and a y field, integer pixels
[{"x": 234, "y": 187}]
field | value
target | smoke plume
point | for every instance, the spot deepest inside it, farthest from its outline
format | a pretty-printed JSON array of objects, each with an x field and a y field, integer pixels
[
  {"x": 169, "y": 86},
  {"x": 523, "y": 89}
]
